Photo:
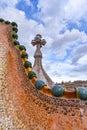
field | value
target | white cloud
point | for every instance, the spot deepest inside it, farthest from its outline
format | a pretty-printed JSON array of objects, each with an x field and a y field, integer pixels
[
  {"x": 51, "y": 8},
  {"x": 12, "y": 14},
  {"x": 76, "y": 9},
  {"x": 83, "y": 60},
  {"x": 50, "y": 14},
  {"x": 79, "y": 52},
  {"x": 64, "y": 71},
  {"x": 10, "y": 3},
  {"x": 68, "y": 40}
]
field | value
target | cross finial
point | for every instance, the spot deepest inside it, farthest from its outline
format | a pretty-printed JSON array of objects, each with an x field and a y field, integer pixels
[{"x": 38, "y": 41}]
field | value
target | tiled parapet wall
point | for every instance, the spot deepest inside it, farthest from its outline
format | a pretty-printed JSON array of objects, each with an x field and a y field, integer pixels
[
  {"x": 22, "y": 106},
  {"x": 8, "y": 116}
]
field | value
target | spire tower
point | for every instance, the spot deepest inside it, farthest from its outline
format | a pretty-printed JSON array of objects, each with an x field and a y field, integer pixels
[{"x": 37, "y": 67}]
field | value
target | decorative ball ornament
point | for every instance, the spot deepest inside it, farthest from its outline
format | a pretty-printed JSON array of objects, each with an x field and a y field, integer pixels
[
  {"x": 16, "y": 43},
  {"x": 58, "y": 90},
  {"x": 31, "y": 74},
  {"x": 7, "y": 22},
  {"x": 15, "y": 29},
  {"x": 15, "y": 36},
  {"x": 81, "y": 93},
  {"x": 22, "y": 47},
  {"x": 1, "y": 20},
  {"x": 27, "y": 64},
  {"x": 14, "y": 24},
  {"x": 39, "y": 84},
  {"x": 24, "y": 55}
]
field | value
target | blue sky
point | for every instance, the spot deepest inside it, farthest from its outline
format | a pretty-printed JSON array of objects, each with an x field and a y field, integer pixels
[{"x": 63, "y": 23}]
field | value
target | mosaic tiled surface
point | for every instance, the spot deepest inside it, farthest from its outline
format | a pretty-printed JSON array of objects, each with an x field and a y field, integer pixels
[{"x": 22, "y": 107}]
